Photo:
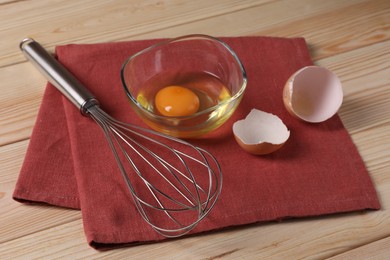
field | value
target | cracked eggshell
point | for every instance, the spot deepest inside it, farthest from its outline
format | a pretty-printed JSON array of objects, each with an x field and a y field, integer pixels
[
  {"x": 260, "y": 132},
  {"x": 313, "y": 94}
]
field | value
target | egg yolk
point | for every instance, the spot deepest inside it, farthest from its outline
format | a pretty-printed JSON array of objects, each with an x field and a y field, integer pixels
[{"x": 176, "y": 101}]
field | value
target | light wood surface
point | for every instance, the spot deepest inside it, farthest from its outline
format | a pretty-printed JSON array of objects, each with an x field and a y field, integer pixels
[{"x": 351, "y": 37}]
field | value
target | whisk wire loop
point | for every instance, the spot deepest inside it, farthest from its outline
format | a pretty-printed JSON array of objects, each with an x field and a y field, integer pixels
[{"x": 123, "y": 139}]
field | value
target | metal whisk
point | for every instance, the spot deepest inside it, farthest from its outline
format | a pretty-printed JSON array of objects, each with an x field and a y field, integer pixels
[{"x": 174, "y": 186}]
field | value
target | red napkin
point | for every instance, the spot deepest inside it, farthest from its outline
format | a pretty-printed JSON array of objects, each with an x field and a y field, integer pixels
[{"x": 69, "y": 164}]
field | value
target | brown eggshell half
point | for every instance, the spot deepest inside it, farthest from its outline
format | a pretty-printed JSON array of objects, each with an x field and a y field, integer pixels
[
  {"x": 260, "y": 133},
  {"x": 313, "y": 94}
]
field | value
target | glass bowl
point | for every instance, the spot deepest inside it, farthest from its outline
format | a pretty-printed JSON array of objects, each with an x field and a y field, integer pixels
[{"x": 205, "y": 65}]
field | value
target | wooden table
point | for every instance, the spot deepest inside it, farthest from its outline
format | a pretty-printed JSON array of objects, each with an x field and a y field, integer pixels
[{"x": 351, "y": 37}]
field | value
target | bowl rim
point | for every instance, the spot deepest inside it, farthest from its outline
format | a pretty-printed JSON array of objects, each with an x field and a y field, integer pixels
[{"x": 199, "y": 113}]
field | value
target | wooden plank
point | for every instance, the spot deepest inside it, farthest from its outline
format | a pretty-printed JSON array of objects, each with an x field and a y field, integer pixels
[
  {"x": 330, "y": 27},
  {"x": 20, "y": 99},
  {"x": 215, "y": 18},
  {"x": 335, "y": 31},
  {"x": 376, "y": 156},
  {"x": 11, "y": 158},
  {"x": 375, "y": 250},
  {"x": 96, "y": 21},
  {"x": 60, "y": 241}
]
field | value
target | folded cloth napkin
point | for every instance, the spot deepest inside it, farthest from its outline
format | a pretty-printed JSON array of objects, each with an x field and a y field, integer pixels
[{"x": 69, "y": 164}]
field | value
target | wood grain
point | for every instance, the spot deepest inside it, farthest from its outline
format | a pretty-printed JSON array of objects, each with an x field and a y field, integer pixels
[
  {"x": 351, "y": 37},
  {"x": 377, "y": 250},
  {"x": 87, "y": 21},
  {"x": 19, "y": 101}
]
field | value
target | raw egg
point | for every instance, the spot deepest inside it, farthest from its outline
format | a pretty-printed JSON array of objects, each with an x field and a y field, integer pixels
[
  {"x": 260, "y": 132},
  {"x": 175, "y": 101},
  {"x": 313, "y": 94}
]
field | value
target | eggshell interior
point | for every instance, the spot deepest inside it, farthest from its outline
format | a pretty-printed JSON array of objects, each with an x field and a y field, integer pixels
[
  {"x": 259, "y": 127},
  {"x": 313, "y": 94}
]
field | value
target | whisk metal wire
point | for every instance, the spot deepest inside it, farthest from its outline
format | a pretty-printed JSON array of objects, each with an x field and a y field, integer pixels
[
  {"x": 179, "y": 177},
  {"x": 118, "y": 132}
]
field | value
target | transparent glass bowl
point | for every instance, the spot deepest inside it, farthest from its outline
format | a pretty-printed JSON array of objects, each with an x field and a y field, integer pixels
[{"x": 177, "y": 62}]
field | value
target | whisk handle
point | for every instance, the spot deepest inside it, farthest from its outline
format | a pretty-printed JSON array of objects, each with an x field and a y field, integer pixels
[{"x": 58, "y": 75}]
